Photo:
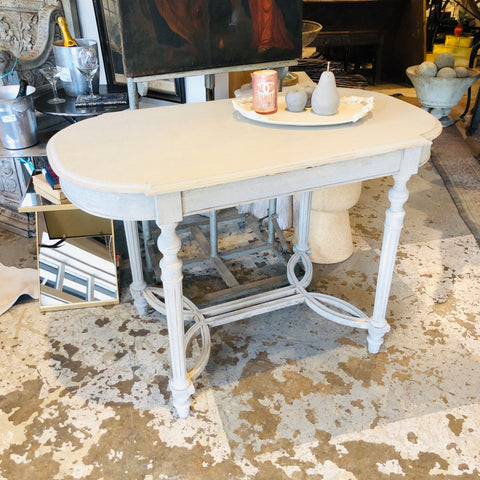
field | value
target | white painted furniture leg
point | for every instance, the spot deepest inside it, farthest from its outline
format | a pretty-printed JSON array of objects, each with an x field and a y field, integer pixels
[
  {"x": 304, "y": 209},
  {"x": 180, "y": 385},
  {"x": 272, "y": 210},
  {"x": 378, "y": 325},
  {"x": 147, "y": 235},
  {"x": 138, "y": 284},
  {"x": 301, "y": 248}
]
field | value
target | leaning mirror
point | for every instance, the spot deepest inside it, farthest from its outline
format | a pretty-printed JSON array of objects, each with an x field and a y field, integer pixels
[{"x": 76, "y": 260}]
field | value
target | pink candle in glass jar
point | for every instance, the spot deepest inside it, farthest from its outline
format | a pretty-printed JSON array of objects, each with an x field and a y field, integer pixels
[{"x": 265, "y": 91}]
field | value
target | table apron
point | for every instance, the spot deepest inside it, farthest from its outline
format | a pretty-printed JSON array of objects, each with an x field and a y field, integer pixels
[
  {"x": 172, "y": 207},
  {"x": 117, "y": 206},
  {"x": 297, "y": 181}
]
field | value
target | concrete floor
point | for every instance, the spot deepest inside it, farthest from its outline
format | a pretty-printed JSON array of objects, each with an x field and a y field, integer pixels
[{"x": 83, "y": 393}]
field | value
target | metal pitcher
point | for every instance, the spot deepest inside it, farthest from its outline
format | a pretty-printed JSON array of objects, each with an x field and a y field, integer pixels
[{"x": 18, "y": 124}]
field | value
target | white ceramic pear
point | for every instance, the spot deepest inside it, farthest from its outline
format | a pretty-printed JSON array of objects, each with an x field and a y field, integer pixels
[{"x": 325, "y": 98}]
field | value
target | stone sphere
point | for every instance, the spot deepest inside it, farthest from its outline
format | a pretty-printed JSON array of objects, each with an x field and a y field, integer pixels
[
  {"x": 461, "y": 72},
  {"x": 446, "y": 72},
  {"x": 428, "y": 69},
  {"x": 444, "y": 59}
]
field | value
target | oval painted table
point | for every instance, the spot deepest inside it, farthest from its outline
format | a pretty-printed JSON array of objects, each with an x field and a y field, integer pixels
[{"x": 168, "y": 162}]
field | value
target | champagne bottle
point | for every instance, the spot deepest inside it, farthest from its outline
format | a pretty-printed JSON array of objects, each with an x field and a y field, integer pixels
[
  {"x": 68, "y": 40},
  {"x": 22, "y": 89}
]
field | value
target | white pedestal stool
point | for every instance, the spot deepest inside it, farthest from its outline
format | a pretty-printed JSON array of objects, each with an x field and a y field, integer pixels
[{"x": 330, "y": 236}]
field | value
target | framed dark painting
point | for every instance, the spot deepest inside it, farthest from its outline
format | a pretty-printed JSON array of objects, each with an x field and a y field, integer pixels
[
  {"x": 175, "y": 36},
  {"x": 107, "y": 16}
]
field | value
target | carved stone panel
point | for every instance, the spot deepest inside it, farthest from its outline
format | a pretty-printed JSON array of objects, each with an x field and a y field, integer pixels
[
  {"x": 12, "y": 188},
  {"x": 27, "y": 31}
]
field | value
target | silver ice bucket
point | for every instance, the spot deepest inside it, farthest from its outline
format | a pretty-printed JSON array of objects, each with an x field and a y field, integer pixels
[
  {"x": 18, "y": 124},
  {"x": 66, "y": 59}
]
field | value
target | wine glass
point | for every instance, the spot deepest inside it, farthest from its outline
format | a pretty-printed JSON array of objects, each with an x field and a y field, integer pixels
[
  {"x": 51, "y": 74},
  {"x": 87, "y": 65}
]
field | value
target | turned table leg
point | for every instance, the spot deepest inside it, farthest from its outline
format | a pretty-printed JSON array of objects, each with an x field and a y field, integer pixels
[
  {"x": 180, "y": 385},
  {"x": 304, "y": 210},
  {"x": 138, "y": 284},
  {"x": 378, "y": 325}
]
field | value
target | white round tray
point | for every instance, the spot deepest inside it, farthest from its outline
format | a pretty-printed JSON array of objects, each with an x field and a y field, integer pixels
[{"x": 351, "y": 109}]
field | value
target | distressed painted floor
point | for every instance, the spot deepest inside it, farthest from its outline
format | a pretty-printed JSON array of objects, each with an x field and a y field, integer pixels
[{"x": 83, "y": 394}]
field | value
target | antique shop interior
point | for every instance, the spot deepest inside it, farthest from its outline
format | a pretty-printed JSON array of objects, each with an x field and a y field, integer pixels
[{"x": 239, "y": 239}]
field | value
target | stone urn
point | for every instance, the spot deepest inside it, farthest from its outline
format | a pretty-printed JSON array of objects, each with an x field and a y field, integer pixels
[{"x": 438, "y": 95}]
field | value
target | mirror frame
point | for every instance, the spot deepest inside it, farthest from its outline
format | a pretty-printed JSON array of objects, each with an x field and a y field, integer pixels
[{"x": 76, "y": 243}]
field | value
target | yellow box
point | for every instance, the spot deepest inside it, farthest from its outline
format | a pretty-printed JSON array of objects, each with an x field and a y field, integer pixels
[{"x": 452, "y": 41}]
